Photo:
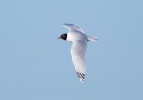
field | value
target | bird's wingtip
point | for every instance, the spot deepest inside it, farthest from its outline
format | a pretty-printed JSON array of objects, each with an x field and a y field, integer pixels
[
  {"x": 67, "y": 24},
  {"x": 81, "y": 80}
]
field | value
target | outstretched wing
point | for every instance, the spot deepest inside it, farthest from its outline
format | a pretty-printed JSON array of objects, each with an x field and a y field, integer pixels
[
  {"x": 78, "y": 50},
  {"x": 73, "y": 28}
]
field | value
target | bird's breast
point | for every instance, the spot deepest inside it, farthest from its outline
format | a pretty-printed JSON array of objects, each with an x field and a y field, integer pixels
[{"x": 75, "y": 36}]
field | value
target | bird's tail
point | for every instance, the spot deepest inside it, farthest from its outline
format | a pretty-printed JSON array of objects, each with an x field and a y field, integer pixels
[{"x": 94, "y": 39}]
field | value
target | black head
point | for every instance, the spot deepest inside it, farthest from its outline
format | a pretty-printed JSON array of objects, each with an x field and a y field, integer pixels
[{"x": 63, "y": 36}]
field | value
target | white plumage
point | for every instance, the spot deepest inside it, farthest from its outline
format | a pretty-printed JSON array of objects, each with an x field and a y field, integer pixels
[{"x": 79, "y": 42}]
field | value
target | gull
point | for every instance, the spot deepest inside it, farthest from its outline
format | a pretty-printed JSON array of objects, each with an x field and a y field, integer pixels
[{"x": 79, "y": 43}]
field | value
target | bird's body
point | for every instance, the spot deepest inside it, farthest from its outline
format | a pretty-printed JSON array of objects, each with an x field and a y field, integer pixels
[
  {"x": 79, "y": 42},
  {"x": 76, "y": 36}
]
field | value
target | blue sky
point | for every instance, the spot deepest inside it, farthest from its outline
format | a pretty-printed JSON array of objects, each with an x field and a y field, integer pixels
[{"x": 34, "y": 65}]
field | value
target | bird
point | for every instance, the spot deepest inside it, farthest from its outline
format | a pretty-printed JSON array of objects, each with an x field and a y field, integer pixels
[{"x": 79, "y": 43}]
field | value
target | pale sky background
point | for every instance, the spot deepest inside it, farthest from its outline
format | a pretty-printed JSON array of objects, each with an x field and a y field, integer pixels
[{"x": 35, "y": 65}]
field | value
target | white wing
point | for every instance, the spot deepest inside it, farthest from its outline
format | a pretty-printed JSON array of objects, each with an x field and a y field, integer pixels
[
  {"x": 73, "y": 28},
  {"x": 78, "y": 51}
]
